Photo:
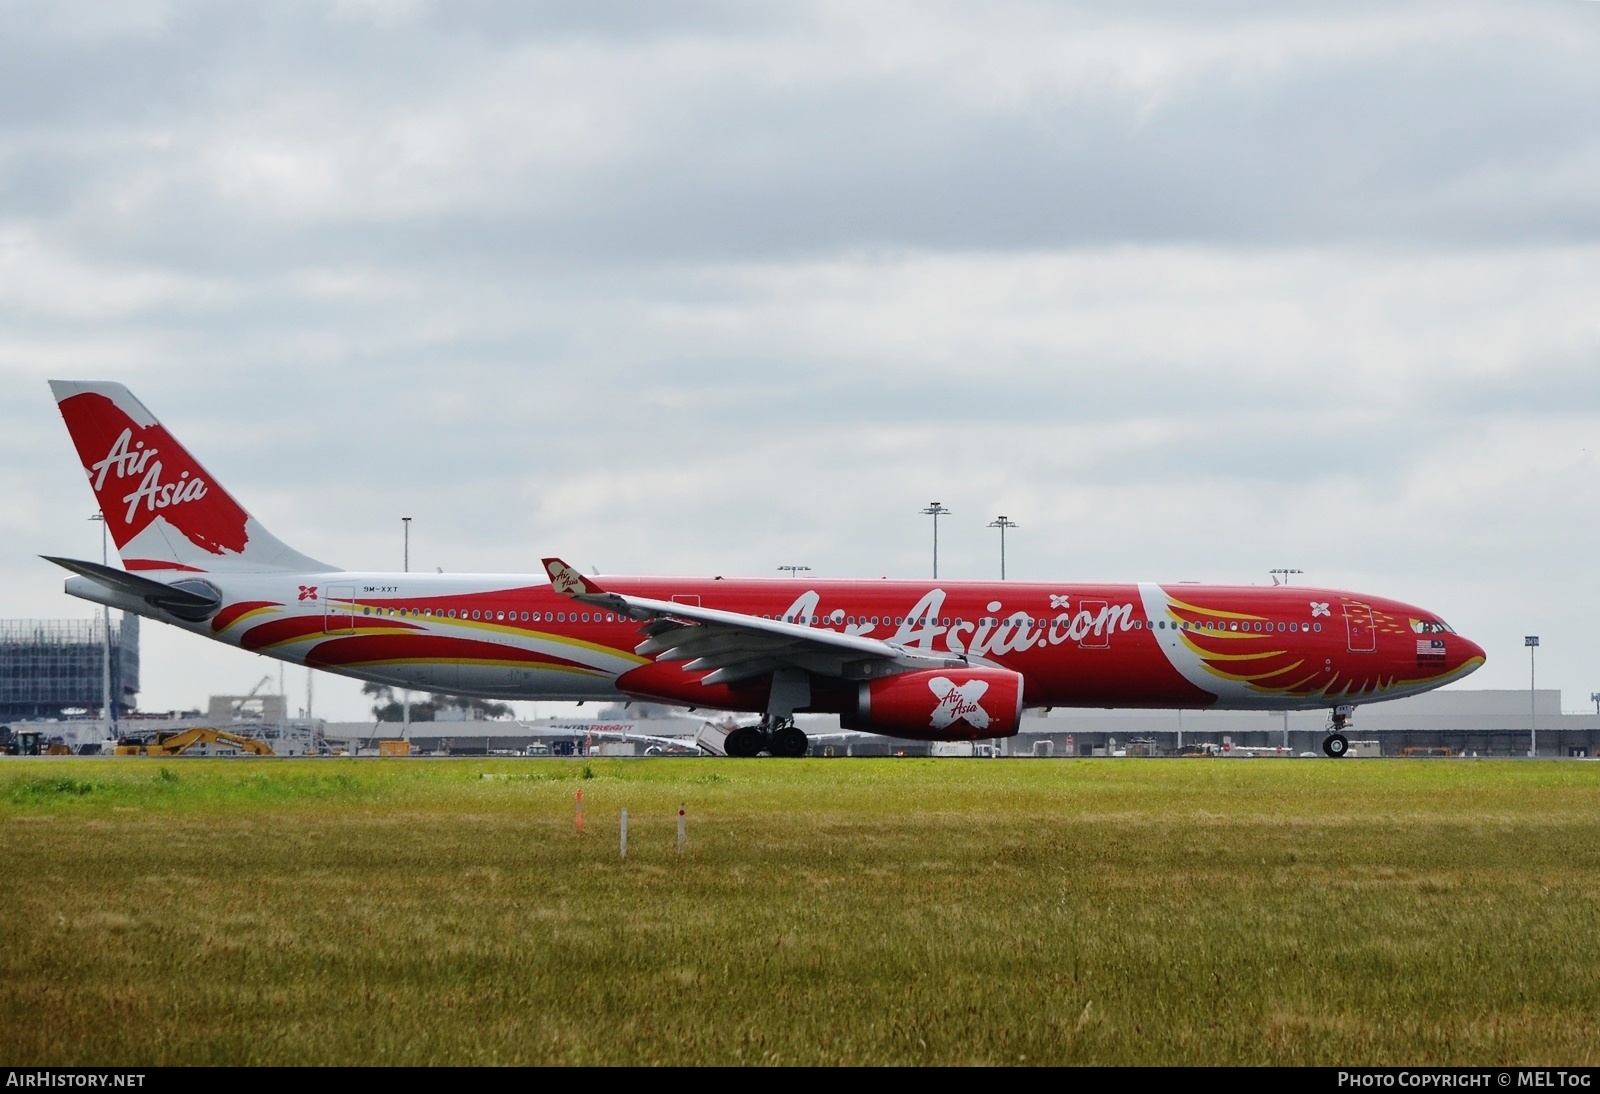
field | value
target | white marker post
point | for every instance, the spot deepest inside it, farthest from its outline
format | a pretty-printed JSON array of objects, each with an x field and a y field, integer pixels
[
  {"x": 624, "y": 833},
  {"x": 681, "y": 837}
]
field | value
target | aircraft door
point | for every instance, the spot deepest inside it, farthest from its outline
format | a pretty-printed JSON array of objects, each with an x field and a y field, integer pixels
[
  {"x": 337, "y": 614},
  {"x": 1358, "y": 627}
]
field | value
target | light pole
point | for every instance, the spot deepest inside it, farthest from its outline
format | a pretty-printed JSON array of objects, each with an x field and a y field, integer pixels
[
  {"x": 795, "y": 571},
  {"x": 935, "y": 510},
  {"x": 1594, "y": 697},
  {"x": 1002, "y": 523},
  {"x": 105, "y": 640},
  {"x": 405, "y": 694},
  {"x": 1283, "y": 574},
  {"x": 1532, "y": 642}
]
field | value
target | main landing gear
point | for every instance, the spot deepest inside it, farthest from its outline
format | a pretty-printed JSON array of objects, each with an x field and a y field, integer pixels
[
  {"x": 775, "y": 737},
  {"x": 776, "y": 733},
  {"x": 1336, "y": 744}
]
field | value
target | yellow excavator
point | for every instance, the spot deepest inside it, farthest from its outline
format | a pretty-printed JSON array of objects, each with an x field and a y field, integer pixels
[{"x": 200, "y": 740}]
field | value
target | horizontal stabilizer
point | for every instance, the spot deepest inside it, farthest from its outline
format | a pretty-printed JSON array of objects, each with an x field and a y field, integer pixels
[{"x": 194, "y": 603}]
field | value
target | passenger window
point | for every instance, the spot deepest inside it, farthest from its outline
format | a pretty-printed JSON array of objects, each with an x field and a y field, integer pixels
[{"x": 1317, "y": 627}]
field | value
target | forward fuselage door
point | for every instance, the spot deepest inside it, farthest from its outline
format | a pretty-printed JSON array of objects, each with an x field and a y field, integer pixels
[{"x": 1358, "y": 626}]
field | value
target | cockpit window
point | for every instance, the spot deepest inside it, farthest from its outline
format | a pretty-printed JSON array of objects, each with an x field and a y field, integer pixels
[{"x": 1430, "y": 626}]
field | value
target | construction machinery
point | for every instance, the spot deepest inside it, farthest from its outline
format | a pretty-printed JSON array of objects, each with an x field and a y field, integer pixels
[
  {"x": 199, "y": 741},
  {"x": 30, "y": 742}
]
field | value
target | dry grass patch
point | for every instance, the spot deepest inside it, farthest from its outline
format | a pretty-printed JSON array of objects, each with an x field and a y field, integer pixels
[{"x": 897, "y": 911}]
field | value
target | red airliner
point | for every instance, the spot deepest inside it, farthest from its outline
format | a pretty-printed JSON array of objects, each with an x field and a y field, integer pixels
[{"x": 928, "y": 660}]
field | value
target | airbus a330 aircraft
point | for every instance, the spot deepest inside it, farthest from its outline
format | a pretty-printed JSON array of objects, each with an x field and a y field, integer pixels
[{"x": 929, "y": 660}]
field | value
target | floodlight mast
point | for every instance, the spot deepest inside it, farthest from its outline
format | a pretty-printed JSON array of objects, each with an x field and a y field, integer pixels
[
  {"x": 105, "y": 642},
  {"x": 1002, "y": 522},
  {"x": 935, "y": 510},
  {"x": 1532, "y": 642}
]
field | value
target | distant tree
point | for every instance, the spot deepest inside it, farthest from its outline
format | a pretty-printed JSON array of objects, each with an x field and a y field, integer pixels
[
  {"x": 387, "y": 706},
  {"x": 475, "y": 709}
]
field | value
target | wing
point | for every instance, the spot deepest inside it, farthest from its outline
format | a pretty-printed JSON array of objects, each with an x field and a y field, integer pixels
[{"x": 731, "y": 647}]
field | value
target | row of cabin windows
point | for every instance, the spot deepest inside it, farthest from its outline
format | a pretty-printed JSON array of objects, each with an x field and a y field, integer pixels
[
  {"x": 1210, "y": 625},
  {"x": 1138, "y": 624},
  {"x": 611, "y": 617},
  {"x": 496, "y": 617}
]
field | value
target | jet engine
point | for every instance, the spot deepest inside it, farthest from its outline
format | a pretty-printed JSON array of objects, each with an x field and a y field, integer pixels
[{"x": 939, "y": 705}]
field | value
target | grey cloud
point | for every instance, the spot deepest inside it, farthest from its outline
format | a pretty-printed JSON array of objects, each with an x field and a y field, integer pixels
[{"x": 1469, "y": 140}]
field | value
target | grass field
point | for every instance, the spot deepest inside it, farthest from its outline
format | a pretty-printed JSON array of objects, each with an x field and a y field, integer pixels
[{"x": 898, "y": 911}]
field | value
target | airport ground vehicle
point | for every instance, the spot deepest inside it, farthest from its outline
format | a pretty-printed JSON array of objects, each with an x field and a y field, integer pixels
[{"x": 30, "y": 742}]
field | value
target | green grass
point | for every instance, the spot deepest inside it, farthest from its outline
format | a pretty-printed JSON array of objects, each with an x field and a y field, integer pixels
[{"x": 829, "y": 911}]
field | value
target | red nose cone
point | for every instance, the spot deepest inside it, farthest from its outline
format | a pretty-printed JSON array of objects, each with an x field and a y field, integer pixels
[{"x": 1466, "y": 654}]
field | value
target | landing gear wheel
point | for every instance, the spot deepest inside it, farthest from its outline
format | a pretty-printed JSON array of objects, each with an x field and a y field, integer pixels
[
  {"x": 744, "y": 743},
  {"x": 1335, "y": 745},
  {"x": 790, "y": 742}
]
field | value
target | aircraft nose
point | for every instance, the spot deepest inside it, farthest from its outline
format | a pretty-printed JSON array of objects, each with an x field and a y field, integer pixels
[{"x": 1468, "y": 654}]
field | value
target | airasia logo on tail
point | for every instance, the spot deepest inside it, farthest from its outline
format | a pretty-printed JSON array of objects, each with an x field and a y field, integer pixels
[
  {"x": 958, "y": 702},
  {"x": 139, "y": 472},
  {"x": 132, "y": 460}
]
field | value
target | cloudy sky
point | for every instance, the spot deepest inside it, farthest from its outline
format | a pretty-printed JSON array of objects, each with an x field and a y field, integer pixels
[{"x": 1190, "y": 291}]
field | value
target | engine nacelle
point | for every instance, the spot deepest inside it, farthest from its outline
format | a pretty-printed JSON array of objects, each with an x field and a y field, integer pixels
[{"x": 940, "y": 705}]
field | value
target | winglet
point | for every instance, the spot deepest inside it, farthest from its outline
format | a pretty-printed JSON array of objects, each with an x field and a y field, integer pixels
[{"x": 568, "y": 581}]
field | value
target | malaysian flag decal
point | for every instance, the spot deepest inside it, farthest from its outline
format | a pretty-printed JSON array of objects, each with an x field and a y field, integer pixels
[{"x": 1430, "y": 647}]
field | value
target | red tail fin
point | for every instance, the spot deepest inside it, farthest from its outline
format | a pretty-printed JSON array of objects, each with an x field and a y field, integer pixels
[{"x": 164, "y": 511}]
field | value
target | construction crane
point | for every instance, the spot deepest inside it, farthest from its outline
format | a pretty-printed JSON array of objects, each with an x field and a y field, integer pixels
[{"x": 239, "y": 703}]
